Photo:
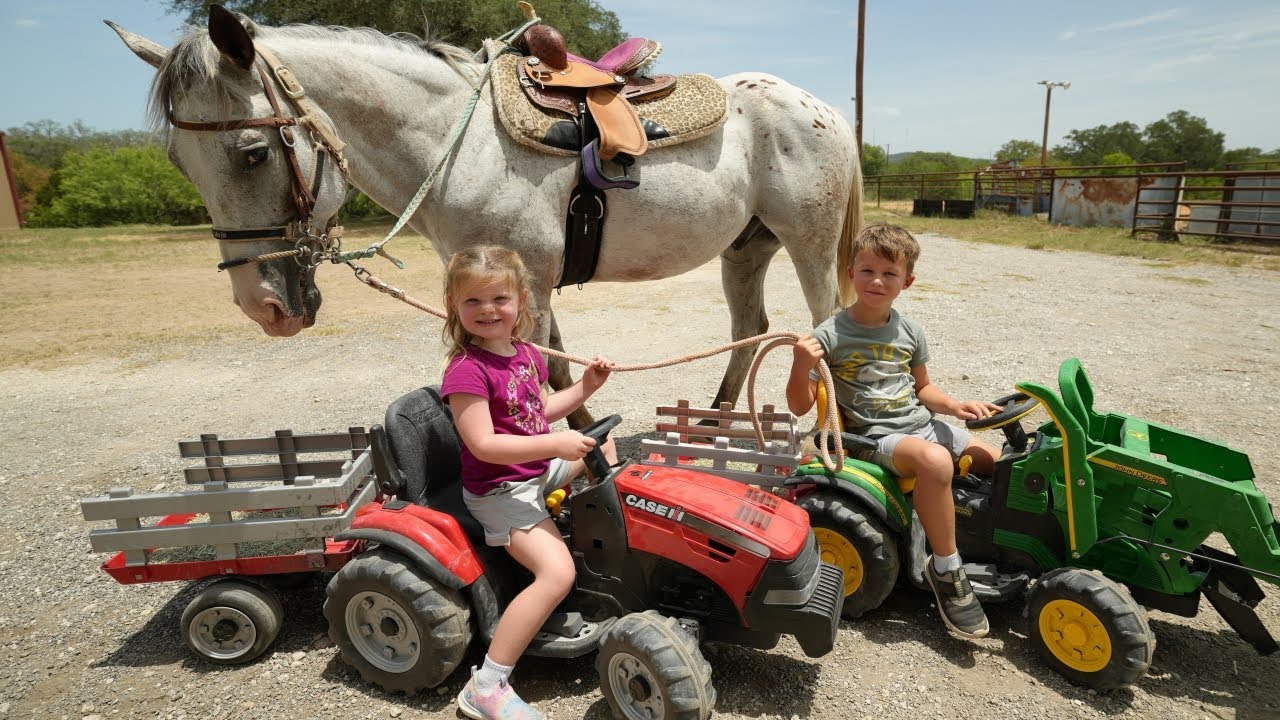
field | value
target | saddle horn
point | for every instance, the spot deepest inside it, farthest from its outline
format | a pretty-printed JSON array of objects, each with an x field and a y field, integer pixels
[{"x": 547, "y": 44}]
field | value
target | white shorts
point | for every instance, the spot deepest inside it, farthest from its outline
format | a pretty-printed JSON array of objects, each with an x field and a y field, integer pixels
[{"x": 515, "y": 506}]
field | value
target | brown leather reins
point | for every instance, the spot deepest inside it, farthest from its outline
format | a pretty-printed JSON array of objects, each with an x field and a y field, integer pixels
[{"x": 309, "y": 246}]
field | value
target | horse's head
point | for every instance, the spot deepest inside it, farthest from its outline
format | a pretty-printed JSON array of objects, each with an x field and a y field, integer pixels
[{"x": 262, "y": 156}]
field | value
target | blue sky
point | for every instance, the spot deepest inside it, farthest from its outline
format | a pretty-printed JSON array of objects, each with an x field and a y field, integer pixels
[{"x": 939, "y": 76}]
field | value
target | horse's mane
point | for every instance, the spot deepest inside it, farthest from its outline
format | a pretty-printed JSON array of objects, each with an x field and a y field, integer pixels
[{"x": 194, "y": 59}]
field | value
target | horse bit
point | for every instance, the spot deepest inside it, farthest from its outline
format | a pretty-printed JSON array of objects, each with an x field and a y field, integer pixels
[{"x": 310, "y": 248}]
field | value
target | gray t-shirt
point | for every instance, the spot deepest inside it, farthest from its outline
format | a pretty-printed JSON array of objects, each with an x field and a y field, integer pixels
[{"x": 871, "y": 369}]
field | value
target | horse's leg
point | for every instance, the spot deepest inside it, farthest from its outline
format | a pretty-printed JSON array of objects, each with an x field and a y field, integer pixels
[
  {"x": 560, "y": 377},
  {"x": 742, "y": 270}
]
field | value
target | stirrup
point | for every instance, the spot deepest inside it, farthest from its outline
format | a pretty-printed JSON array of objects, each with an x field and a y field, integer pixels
[{"x": 595, "y": 173}]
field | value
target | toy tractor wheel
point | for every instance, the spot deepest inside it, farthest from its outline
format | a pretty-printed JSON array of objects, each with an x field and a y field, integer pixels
[
  {"x": 858, "y": 543},
  {"x": 650, "y": 668},
  {"x": 1089, "y": 629},
  {"x": 400, "y": 628},
  {"x": 231, "y": 622}
]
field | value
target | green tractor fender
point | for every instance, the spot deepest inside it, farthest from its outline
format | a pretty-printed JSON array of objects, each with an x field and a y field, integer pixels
[{"x": 871, "y": 485}]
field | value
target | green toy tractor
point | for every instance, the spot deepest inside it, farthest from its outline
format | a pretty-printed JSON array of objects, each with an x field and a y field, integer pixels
[{"x": 1093, "y": 516}]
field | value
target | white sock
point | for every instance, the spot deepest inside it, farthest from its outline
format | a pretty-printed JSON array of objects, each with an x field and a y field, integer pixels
[
  {"x": 945, "y": 564},
  {"x": 490, "y": 674}
]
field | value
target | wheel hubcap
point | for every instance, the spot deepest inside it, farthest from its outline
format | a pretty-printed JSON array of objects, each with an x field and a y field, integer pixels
[
  {"x": 638, "y": 693},
  {"x": 1075, "y": 635},
  {"x": 382, "y": 632},
  {"x": 222, "y": 632},
  {"x": 837, "y": 550}
]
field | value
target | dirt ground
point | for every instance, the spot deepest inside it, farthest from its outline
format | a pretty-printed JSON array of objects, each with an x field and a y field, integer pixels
[{"x": 1195, "y": 347}]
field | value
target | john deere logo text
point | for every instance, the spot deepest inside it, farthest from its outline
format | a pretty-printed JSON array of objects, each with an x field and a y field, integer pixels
[{"x": 653, "y": 506}]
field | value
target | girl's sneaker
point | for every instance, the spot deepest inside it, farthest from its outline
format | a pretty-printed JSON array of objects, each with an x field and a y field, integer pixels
[{"x": 502, "y": 703}]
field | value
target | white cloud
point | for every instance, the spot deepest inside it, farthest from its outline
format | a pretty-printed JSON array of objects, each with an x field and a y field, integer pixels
[
  {"x": 1164, "y": 70},
  {"x": 1139, "y": 21},
  {"x": 1068, "y": 34},
  {"x": 884, "y": 110},
  {"x": 26, "y": 22}
]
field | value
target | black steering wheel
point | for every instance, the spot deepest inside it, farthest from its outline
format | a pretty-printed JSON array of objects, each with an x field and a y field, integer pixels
[
  {"x": 597, "y": 465},
  {"x": 1013, "y": 408}
]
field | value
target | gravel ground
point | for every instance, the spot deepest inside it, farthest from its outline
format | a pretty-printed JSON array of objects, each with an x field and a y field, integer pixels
[{"x": 1194, "y": 347}]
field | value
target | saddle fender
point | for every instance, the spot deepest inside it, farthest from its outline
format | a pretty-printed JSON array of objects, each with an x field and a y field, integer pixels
[
  {"x": 866, "y": 483},
  {"x": 432, "y": 540}
]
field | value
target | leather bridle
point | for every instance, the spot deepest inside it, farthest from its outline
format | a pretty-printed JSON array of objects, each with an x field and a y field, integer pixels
[{"x": 310, "y": 247}]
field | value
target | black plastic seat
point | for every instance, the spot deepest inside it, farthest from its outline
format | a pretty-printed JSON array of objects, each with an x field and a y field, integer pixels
[{"x": 426, "y": 452}]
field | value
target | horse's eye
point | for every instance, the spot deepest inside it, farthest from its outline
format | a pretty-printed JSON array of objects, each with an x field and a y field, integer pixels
[{"x": 255, "y": 157}]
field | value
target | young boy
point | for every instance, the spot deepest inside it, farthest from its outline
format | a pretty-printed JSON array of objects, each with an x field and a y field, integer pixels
[{"x": 877, "y": 359}]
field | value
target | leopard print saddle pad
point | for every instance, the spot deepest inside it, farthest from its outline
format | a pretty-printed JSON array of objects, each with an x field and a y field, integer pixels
[{"x": 693, "y": 109}]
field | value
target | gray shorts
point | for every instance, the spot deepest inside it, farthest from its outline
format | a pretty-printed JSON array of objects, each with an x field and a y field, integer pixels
[
  {"x": 954, "y": 439},
  {"x": 515, "y": 506}
]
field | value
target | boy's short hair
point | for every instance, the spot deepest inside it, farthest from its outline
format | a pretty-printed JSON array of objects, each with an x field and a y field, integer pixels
[{"x": 890, "y": 242}]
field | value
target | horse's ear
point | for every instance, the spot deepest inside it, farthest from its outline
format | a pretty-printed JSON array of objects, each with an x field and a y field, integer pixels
[
  {"x": 151, "y": 52},
  {"x": 230, "y": 37}
]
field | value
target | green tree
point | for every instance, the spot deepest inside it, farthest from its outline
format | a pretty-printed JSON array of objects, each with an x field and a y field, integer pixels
[
  {"x": 588, "y": 29},
  {"x": 1115, "y": 159},
  {"x": 44, "y": 142},
  {"x": 1183, "y": 136},
  {"x": 116, "y": 186},
  {"x": 1089, "y": 146},
  {"x": 874, "y": 160},
  {"x": 1018, "y": 151}
]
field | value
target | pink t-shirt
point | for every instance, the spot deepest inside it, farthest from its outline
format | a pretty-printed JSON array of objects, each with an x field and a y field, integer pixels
[{"x": 513, "y": 388}]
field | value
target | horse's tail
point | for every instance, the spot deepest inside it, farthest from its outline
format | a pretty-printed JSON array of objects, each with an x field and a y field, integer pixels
[{"x": 852, "y": 224}]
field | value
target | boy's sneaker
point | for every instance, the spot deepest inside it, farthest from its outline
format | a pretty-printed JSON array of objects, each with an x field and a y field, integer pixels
[
  {"x": 957, "y": 603},
  {"x": 502, "y": 703}
]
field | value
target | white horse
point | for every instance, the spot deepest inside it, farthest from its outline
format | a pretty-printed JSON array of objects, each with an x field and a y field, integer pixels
[{"x": 782, "y": 171}]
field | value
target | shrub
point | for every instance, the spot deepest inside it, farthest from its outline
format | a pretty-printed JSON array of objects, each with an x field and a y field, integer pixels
[{"x": 118, "y": 186}]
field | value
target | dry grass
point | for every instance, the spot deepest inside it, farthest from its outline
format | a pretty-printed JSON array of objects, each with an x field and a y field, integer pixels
[{"x": 74, "y": 295}]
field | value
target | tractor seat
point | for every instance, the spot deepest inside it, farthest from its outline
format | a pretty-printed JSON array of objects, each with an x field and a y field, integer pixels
[
  {"x": 856, "y": 444},
  {"x": 427, "y": 453}
]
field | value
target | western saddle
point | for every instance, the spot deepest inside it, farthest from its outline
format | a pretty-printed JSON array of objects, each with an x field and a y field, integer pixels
[{"x": 597, "y": 94}]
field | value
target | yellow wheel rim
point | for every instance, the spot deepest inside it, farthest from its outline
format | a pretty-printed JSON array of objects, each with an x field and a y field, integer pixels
[
  {"x": 1075, "y": 635},
  {"x": 837, "y": 550}
]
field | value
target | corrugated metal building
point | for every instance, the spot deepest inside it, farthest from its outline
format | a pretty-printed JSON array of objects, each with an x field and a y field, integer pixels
[{"x": 10, "y": 213}]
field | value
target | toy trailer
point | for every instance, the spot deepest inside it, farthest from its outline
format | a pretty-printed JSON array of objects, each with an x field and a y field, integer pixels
[
  {"x": 244, "y": 524},
  {"x": 713, "y": 450}
]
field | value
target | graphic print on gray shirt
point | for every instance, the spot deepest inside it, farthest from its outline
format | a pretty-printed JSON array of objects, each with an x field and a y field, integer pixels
[{"x": 871, "y": 369}]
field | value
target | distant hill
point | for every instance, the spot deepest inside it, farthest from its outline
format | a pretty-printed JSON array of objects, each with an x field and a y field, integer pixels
[{"x": 896, "y": 158}]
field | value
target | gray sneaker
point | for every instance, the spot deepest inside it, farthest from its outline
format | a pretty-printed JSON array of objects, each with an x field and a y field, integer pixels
[{"x": 957, "y": 603}]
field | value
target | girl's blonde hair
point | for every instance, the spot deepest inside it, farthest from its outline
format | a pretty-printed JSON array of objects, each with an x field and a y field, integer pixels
[{"x": 473, "y": 266}]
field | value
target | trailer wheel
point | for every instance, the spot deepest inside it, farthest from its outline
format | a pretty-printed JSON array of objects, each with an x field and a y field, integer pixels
[
  {"x": 858, "y": 543},
  {"x": 400, "y": 628},
  {"x": 650, "y": 669},
  {"x": 231, "y": 622},
  {"x": 1089, "y": 628}
]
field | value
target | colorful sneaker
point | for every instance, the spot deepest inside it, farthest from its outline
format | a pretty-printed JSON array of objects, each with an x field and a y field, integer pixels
[
  {"x": 501, "y": 704},
  {"x": 957, "y": 603}
]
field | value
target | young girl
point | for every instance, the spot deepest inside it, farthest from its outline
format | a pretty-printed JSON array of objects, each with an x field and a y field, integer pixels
[{"x": 494, "y": 385}]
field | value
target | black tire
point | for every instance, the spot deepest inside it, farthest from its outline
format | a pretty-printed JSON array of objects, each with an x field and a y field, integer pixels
[
  {"x": 1089, "y": 628},
  {"x": 231, "y": 622},
  {"x": 400, "y": 628},
  {"x": 859, "y": 544},
  {"x": 651, "y": 669}
]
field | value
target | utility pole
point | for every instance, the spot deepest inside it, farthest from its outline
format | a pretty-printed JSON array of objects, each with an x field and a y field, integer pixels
[
  {"x": 857, "y": 91},
  {"x": 1049, "y": 85}
]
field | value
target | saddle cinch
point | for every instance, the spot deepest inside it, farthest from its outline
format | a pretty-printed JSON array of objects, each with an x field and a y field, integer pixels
[{"x": 569, "y": 105}]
